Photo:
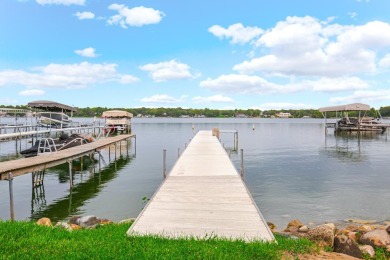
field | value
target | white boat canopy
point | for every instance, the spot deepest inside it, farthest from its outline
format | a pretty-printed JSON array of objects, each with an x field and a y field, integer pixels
[
  {"x": 117, "y": 113},
  {"x": 51, "y": 106},
  {"x": 350, "y": 107}
]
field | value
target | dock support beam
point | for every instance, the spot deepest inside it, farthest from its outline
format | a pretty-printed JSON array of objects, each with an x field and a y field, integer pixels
[
  {"x": 11, "y": 195},
  {"x": 242, "y": 163},
  {"x": 70, "y": 174},
  {"x": 236, "y": 140},
  {"x": 165, "y": 163}
]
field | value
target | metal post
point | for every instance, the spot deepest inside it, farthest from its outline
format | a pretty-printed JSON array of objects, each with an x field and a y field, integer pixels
[
  {"x": 82, "y": 163},
  {"x": 70, "y": 174},
  {"x": 135, "y": 145},
  {"x": 242, "y": 163},
  {"x": 178, "y": 152},
  {"x": 11, "y": 195},
  {"x": 99, "y": 160},
  {"x": 120, "y": 148},
  {"x": 236, "y": 140},
  {"x": 109, "y": 153},
  {"x": 165, "y": 163},
  {"x": 115, "y": 151}
]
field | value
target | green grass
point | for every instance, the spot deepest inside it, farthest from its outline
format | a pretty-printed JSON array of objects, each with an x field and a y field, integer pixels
[{"x": 26, "y": 240}]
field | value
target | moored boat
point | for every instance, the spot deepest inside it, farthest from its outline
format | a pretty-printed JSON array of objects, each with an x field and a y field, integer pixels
[
  {"x": 360, "y": 123},
  {"x": 53, "y": 114},
  {"x": 117, "y": 121}
]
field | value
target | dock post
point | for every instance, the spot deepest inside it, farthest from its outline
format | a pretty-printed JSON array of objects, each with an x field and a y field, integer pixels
[
  {"x": 135, "y": 145},
  {"x": 242, "y": 163},
  {"x": 82, "y": 163},
  {"x": 70, "y": 174},
  {"x": 109, "y": 153},
  {"x": 236, "y": 140},
  {"x": 120, "y": 148},
  {"x": 178, "y": 152},
  {"x": 165, "y": 163},
  {"x": 99, "y": 160},
  {"x": 115, "y": 151},
  {"x": 11, "y": 195}
]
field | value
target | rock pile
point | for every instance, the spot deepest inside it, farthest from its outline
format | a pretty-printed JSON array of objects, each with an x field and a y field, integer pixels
[
  {"x": 354, "y": 240},
  {"x": 76, "y": 222}
]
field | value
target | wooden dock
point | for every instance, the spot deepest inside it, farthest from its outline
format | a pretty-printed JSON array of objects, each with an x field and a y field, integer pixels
[
  {"x": 21, "y": 134},
  {"x": 42, "y": 162},
  {"x": 203, "y": 196}
]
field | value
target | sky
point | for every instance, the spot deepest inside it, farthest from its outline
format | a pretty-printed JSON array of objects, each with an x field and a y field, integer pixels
[{"x": 247, "y": 54}]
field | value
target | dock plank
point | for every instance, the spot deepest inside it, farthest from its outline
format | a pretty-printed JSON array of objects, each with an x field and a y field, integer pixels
[{"x": 203, "y": 196}]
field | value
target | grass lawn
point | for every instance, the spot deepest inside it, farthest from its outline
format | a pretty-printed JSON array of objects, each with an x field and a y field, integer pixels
[{"x": 26, "y": 240}]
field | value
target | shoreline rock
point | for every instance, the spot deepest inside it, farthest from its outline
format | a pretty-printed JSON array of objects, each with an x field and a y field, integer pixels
[{"x": 354, "y": 239}]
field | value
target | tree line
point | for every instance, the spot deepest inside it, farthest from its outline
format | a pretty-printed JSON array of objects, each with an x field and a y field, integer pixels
[{"x": 216, "y": 113}]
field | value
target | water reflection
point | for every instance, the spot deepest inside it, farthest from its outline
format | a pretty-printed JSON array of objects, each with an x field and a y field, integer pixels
[
  {"x": 85, "y": 190},
  {"x": 347, "y": 146}
]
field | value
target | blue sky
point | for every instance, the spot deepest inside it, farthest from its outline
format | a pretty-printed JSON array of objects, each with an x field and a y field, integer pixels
[{"x": 228, "y": 54}]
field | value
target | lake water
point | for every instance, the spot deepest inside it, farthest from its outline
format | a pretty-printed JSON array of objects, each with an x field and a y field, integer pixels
[{"x": 293, "y": 169}]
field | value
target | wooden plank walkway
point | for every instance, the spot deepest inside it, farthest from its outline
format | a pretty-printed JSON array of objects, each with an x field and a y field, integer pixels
[
  {"x": 27, "y": 165},
  {"x": 203, "y": 196}
]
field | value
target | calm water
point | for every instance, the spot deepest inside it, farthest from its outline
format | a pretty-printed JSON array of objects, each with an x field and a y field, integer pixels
[{"x": 292, "y": 168}]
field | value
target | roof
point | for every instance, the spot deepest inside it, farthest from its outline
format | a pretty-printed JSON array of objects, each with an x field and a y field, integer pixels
[
  {"x": 50, "y": 105},
  {"x": 349, "y": 107},
  {"x": 117, "y": 113}
]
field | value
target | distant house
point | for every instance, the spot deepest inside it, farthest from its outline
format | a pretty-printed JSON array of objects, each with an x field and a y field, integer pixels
[
  {"x": 239, "y": 115},
  {"x": 283, "y": 115}
]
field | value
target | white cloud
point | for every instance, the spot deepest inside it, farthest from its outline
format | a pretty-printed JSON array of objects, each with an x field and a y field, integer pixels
[
  {"x": 68, "y": 76},
  {"x": 168, "y": 70},
  {"x": 162, "y": 99},
  {"x": 385, "y": 61},
  {"x": 32, "y": 92},
  {"x": 235, "y": 83},
  {"x": 305, "y": 46},
  {"x": 7, "y": 101},
  {"x": 334, "y": 84},
  {"x": 128, "y": 79},
  {"x": 213, "y": 99},
  {"x": 244, "y": 84},
  {"x": 284, "y": 105},
  {"x": 137, "y": 16},
  {"x": 61, "y": 2},
  {"x": 237, "y": 32},
  {"x": 85, "y": 15},
  {"x": 364, "y": 97},
  {"x": 352, "y": 14},
  {"x": 87, "y": 52}
]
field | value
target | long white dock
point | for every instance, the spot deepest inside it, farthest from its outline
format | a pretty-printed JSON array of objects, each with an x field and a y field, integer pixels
[{"x": 203, "y": 196}]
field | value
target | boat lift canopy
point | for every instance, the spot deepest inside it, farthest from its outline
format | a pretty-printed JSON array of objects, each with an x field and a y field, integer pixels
[
  {"x": 51, "y": 106},
  {"x": 350, "y": 107},
  {"x": 117, "y": 113}
]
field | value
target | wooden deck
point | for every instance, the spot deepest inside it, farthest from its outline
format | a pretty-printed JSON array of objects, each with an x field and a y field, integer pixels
[
  {"x": 26, "y": 165},
  {"x": 203, "y": 196}
]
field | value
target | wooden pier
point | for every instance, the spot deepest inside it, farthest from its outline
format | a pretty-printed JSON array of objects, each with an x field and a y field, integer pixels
[
  {"x": 203, "y": 196},
  {"x": 37, "y": 163},
  {"x": 18, "y": 134}
]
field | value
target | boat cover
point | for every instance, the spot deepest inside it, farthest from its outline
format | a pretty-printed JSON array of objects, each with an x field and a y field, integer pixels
[
  {"x": 350, "y": 107},
  {"x": 51, "y": 106},
  {"x": 117, "y": 113}
]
